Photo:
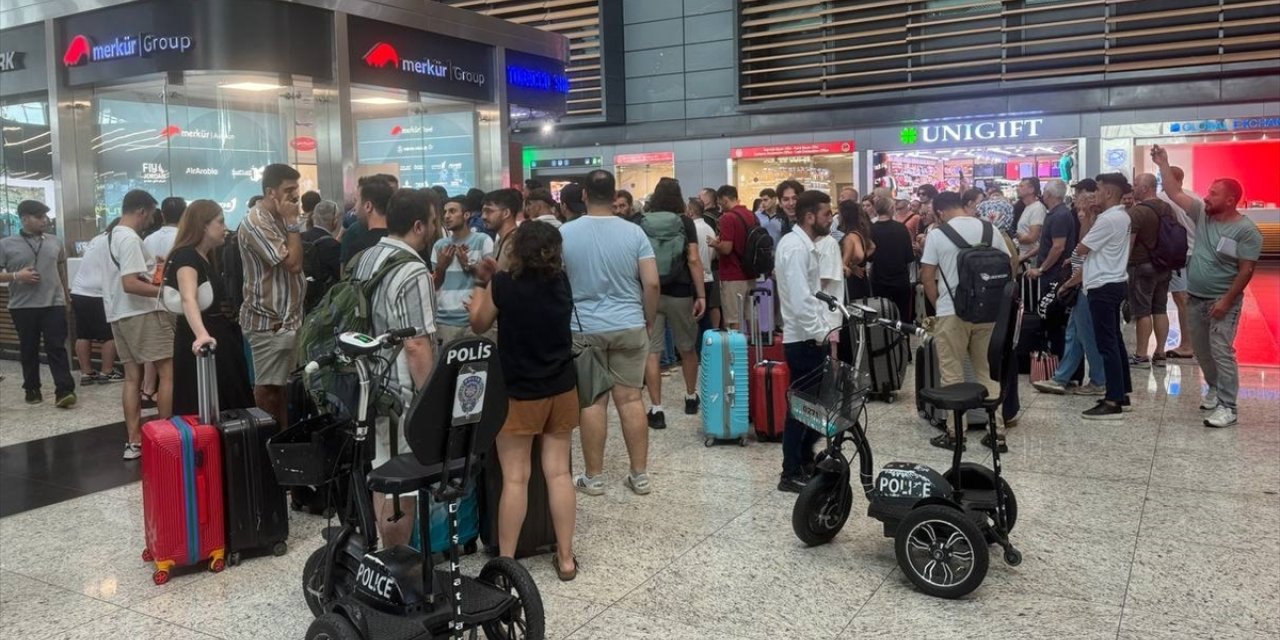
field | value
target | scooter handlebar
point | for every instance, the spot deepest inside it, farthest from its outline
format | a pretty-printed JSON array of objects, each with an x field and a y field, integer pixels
[{"x": 903, "y": 327}]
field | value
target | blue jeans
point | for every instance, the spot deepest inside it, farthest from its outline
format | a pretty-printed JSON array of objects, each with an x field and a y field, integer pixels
[
  {"x": 797, "y": 439},
  {"x": 669, "y": 351},
  {"x": 1081, "y": 345},
  {"x": 1104, "y": 304}
]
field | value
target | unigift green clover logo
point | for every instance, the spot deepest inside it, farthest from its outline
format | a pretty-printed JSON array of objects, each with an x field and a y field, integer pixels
[{"x": 909, "y": 135}]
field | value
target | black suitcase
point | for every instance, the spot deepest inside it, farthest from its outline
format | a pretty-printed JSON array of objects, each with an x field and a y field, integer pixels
[
  {"x": 885, "y": 358},
  {"x": 929, "y": 375},
  {"x": 257, "y": 510},
  {"x": 538, "y": 535}
]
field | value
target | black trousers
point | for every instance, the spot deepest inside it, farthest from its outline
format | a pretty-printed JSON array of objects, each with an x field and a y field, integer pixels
[{"x": 49, "y": 323}]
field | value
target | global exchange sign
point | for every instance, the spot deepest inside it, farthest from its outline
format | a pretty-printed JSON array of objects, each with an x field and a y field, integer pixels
[{"x": 983, "y": 131}]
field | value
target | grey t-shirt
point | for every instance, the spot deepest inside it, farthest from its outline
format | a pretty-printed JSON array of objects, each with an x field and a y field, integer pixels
[
  {"x": 46, "y": 253},
  {"x": 1219, "y": 247}
]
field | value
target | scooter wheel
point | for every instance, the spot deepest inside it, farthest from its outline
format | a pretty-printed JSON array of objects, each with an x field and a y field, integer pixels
[
  {"x": 941, "y": 551},
  {"x": 821, "y": 509},
  {"x": 709, "y": 442},
  {"x": 280, "y": 549},
  {"x": 160, "y": 577},
  {"x": 147, "y": 556},
  {"x": 1013, "y": 557},
  {"x": 332, "y": 626},
  {"x": 312, "y": 576},
  {"x": 524, "y": 619}
]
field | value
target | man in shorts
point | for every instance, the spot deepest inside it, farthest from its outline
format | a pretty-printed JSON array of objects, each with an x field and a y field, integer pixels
[
  {"x": 735, "y": 222},
  {"x": 1148, "y": 284},
  {"x": 143, "y": 332},
  {"x": 614, "y": 277},
  {"x": 274, "y": 286}
]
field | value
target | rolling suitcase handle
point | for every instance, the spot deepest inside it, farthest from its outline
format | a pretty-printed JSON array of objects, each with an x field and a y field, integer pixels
[
  {"x": 756, "y": 331},
  {"x": 207, "y": 384}
]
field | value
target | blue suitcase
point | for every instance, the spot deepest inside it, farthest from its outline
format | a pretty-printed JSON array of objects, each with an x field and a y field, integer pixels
[
  {"x": 723, "y": 383},
  {"x": 468, "y": 524}
]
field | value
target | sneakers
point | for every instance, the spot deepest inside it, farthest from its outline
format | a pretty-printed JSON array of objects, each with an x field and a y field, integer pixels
[
  {"x": 93, "y": 377},
  {"x": 639, "y": 483},
  {"x": 1139, "y": 362},
  {"x": 34, "y": 396},
  {"x": 1159, "y": 363},
  {"x": 1210, "y": 401},
  {"x": 791, "y": 484},
  {"x": 114, "y": 376},
  {"x": 691, "y": 405},
  {"x": 1049, "y": 386},
  {"x": 1089, "y": 389},
  {"x": 657, "y": 420},
  {"x": 132, "y": 451},
  {"x": 589, "y": 485},
  {"x": 66, "y": 400},
  {"x": 1103, "y": 411},
  {"x": 1221, "y": 417}
]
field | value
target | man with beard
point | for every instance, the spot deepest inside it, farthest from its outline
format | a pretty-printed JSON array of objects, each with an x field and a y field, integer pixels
[{"x": 456, "y": 257}]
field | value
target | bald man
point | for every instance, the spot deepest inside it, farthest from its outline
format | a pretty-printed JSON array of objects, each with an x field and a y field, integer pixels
[{"x": 1148, "y": 284}]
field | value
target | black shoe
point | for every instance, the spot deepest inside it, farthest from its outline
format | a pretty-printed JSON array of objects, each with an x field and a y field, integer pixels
[
  {"x": 945, "y": 441},
  {"x": 34, "y": 396},
  {"x": 66, "y": 400},
  {"x": 986, "y": 442},
  {"x": 148, "y": 401},
  {"x": 691, "y": 405},
  {"x": 657, "y": 420},
  {"x": 1103, "y": 411},
  {"x": 791, "y": 484}
]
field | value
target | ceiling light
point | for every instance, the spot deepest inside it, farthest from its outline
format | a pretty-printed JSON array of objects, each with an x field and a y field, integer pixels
[
  {"x": 548, "y": 128},
  {"x": 250, "y": 86},
  {"x": 379, "y": 100}
]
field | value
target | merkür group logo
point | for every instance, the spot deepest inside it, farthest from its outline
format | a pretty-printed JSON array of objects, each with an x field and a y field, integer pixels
[{"x": 382, "y": 55}]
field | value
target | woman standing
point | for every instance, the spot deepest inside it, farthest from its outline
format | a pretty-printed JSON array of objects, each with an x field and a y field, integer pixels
[
  {"x": 196, "y": 299},
  {"x": 857, "y": 249},
  {"x": 532, "y": 305}
]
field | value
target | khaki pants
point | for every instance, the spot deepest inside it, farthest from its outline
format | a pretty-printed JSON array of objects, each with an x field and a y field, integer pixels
[{"x": 957, "y": 340}]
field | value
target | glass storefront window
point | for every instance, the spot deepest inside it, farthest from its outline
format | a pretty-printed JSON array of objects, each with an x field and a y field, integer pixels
[
  {"x": 26, "y": 163},
  {"x": 423, "y": 141}
]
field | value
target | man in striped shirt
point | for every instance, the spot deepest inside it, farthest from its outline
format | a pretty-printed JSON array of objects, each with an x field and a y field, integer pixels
[
  {"x": 271, "y": 251},
  {"x": 405, "y": 298}
]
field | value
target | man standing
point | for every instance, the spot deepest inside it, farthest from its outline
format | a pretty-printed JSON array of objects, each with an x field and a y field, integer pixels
[
  {"x": 891, "y": 263},
  {"x": 271, "y": 251},
  {"x": 143, "y": 333},
  {"x": 735, "y": 222},
  {"x": 710, "y": 204},
  {"x": 1148, "y": 284},
  {"x": 375, "y": 192},
  {"x": 540, "y": 206},
  {"x": 323, "y": 268},
  {"x": 955, "y": 337},
  {"x": 804, "y": 326},
  {"x": 1178, "y": 283},
  {"x": 403, "y": 299},
  {"x": 614, "y": 277},
  {"x": 91, "y": 314},
  {"x": 456, "y": 257},
  {"x": 500, "y": 208},
  {"x": 160, "y": 242},
  {"x": 848, "y": 194},
  {"x": 624, "y": 206},
  {"x": 788, "y": 193},
  {"x": 997, "y": 210},
  {"x": 34, "y": 264},
  {"x": 1106, "y": 276},
  {"x": 1227, "y": 247},
  {"x": 770, "y": 215},
  {"x": 1057, "y": 243},
  {"x": 1031, "y": 222}
]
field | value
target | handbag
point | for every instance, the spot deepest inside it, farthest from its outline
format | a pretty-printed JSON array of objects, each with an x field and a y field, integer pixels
[{"x": 594, "y": 378}]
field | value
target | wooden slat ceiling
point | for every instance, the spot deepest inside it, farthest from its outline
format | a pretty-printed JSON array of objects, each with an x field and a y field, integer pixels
[
  {"x": 577, "y": 20},
  {"x": 826, "y": 48}
]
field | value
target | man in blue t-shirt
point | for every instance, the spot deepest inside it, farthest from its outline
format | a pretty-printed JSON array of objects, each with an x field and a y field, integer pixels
[
  {"x": 614, "y": 276},
  {"x": 455, "y": 258}
]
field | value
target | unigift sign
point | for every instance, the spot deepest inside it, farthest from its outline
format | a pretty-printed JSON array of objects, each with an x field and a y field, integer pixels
[
  {"x": 981, "y": 131},
  {"x": 390, "y": 55}
]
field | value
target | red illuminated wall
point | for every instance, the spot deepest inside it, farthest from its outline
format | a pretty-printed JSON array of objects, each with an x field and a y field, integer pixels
[{"x": 1256, "y": 164}]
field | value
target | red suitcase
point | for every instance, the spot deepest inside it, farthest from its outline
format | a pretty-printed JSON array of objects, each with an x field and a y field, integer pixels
[
  {"x": 182, "y": 500},
  {"x": 767, "y": 390}
]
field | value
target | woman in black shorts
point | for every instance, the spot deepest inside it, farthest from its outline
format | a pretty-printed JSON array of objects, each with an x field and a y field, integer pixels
[{"x": 91, "y": 315}]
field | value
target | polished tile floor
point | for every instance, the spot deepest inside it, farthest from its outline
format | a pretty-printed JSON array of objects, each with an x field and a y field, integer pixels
[{"x": 1153, "y": 527}]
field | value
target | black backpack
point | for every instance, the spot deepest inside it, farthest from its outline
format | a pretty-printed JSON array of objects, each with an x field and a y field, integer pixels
[
  {"x": 320, "y": 277},
  {"x": 1169, "y": 252},
  {"x": 757, "y": 251},
  {"x": 982, "y": 271},
  {"x": 233, "y": 273}
]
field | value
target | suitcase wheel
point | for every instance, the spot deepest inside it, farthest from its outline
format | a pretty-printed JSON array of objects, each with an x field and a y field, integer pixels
[
  {"x": 147, "y": 557},
  {"x": 280, "y": 548},
  {"x": 709, "y": 442},
  {"x": 742, "y": 442},
  {"x": 217, "y": 565},
  {"x": 160, "y": 577}
]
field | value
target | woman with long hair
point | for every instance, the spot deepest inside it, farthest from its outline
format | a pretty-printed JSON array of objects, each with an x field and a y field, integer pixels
[
  {"x": 194, "y": 292},
  {"x": 856, "y": 248},
  {"x": 532, "y": 304}
]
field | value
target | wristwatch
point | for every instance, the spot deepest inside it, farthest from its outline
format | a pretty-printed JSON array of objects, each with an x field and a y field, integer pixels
[{"x": 293, "y": 228}]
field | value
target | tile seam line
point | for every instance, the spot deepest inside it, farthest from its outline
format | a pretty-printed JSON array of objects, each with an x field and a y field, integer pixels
[
  {"x": 118, "y": 608},
  {"x": 1137, "y": 541}
]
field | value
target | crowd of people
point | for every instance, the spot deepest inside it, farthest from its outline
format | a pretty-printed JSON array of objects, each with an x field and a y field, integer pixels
[{"x": 601, "y": 273}]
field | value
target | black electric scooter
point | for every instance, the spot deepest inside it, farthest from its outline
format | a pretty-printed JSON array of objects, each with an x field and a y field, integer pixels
[
  {"x": 942, "y": 523},
  {"x": 360, "y": 592}
]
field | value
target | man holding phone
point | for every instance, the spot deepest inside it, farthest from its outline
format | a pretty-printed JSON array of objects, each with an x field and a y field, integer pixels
[
  {"x": 274, "y": 286},
  {"x": 1227, "y": 247}
]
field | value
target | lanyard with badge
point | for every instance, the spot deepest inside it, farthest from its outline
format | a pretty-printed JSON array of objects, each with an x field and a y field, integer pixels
[{"x": 35, "y": 249}]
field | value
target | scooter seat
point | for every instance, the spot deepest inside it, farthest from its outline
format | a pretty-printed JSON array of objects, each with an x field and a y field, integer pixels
[
  {"x": 403, "y": 474},
  {"x": 961, "y": 396}
]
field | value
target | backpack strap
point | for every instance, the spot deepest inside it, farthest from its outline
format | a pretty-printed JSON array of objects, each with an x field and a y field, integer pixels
[
  {"x": 397, "y": 260},
  {"x": 988, "y": 234},
  {"x": 955, "y": 238}
]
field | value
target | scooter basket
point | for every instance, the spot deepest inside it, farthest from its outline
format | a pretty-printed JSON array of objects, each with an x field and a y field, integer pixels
[
  {"x": 311, "y": 452},
  {"x": 829, "y": 399}
]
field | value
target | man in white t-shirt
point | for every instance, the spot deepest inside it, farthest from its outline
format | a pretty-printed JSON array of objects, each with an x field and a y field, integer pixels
[
  {"x": 957, "y": 339},
  {"x": 159, "y": 243},
  {"x": 1032, "y": 221},
  {"x": 143, "y": 333},
  {"x": 711, "y": 285},
  {"x": 1106, "y": 281},
  {"x": 1178, "y": 284}
]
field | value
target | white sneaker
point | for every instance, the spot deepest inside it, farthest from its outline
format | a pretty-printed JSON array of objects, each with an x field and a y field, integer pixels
[
  {"x": 1049, "y": 386},
  {"x": 1221, "y": 417},
  {"x": 132, "y": 451},
  {"x": 1089, "y": 389},
  {"x": 589, "y": 485},
  {"x": 1210, "y": 402},
  {"x": 639, "y": 483}
]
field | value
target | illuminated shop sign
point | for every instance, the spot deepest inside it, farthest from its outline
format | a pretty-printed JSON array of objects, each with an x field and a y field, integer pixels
[
  {"x": 784, "y": 150},
  {"x": 1222, "y": 125},
  {"x": 986, "y": 130},
  {"x": 390, "y": 55},
  {"x": 565, "y": 163},
  {"x": 653, "y": 157},
  {"x": 536, "y": 79},
  {"x": 537, "y": 82},
  {"x": 383, "y": 56},
  {"x": 82, "y": 49}
]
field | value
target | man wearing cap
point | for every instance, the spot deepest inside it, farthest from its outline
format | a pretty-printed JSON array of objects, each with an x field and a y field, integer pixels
[
  {"x": 34, "y": 264},
  {"x": 540, "y": 206},
  {"x": 572, "y": 204},
  {"x": 1106, "y": 281}
]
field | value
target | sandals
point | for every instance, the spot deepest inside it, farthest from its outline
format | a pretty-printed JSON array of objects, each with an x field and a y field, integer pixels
[
  {"x": 1003, "y": 448},
  {"x": 565, "y": 576},
  {"x": 148, "y": 400},
  {"x": 1174, "y": 355},
  {"x": 945, "y": 441}
]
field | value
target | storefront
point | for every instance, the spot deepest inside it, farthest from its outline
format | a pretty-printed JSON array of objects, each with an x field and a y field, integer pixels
[
  {"x": 639, "y": 173},
  {"x": 822, "y": 166},
  {"x": 558, "y": 172},
  {"x": 957, "y": 154},
  {"x": 26, "y": 157}
]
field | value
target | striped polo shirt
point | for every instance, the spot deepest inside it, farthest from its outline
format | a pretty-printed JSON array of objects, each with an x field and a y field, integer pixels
[{"x": 272, "y": 295}]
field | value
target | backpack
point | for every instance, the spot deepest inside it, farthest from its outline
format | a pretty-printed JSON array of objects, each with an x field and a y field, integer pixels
[
  {"x": 319, "y": 278},
  {"x": 757, "y": 251},
  {"x": 344, "y": 307},
  {"x": 982, "y": 272},
  {"x": 1169, "y": 253},
  {"x": 670, "y": 244},
  {"x": 233, "y": 272}
]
